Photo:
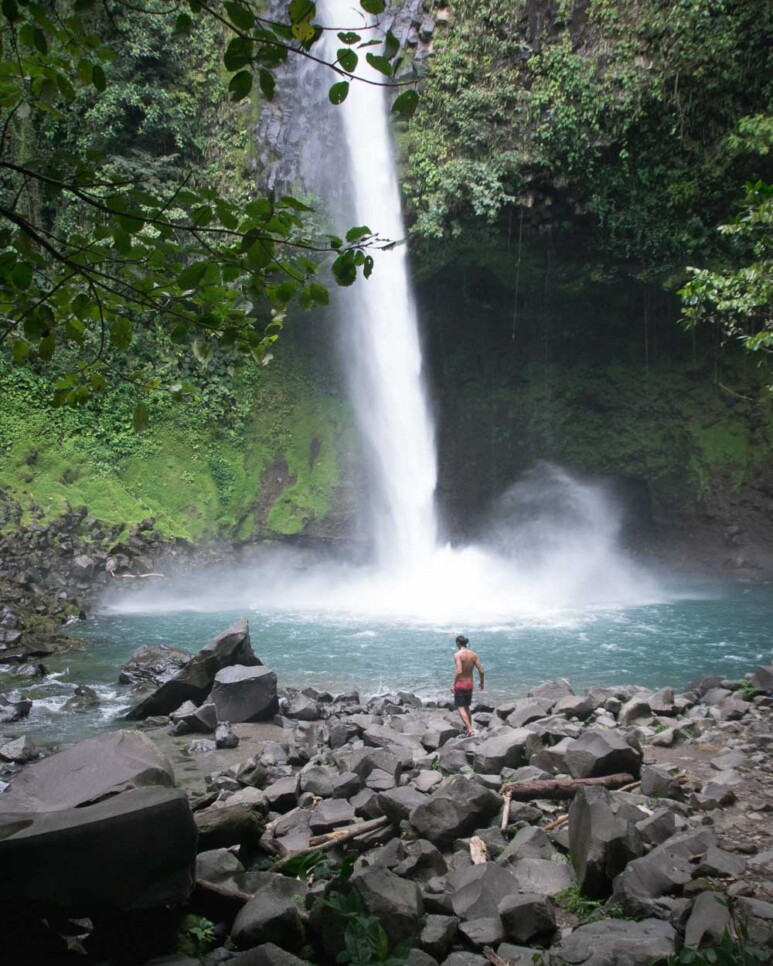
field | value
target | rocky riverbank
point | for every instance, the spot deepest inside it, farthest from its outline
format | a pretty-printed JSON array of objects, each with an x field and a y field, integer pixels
[{"x": 609, "y": 827}]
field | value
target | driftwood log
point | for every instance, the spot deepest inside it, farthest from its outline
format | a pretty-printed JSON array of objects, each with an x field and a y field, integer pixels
[{"x": 560, "y": 787}]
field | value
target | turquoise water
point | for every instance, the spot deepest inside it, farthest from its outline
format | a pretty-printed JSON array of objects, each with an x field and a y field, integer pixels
[{"x": 709, "y": 629}]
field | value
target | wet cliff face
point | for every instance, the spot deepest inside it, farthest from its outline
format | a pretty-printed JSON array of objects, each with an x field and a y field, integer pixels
[{"x": 534, "y": 355}]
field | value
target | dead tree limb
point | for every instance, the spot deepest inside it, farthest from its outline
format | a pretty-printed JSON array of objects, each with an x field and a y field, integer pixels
[
  {"x": 321, "y": 843},
  {"x": 491, "y": 956},
  {"x": 226, "y": 891},
  {"x": 557, "y": 823},
  {"x": 508, "y": 797},
  {"x": 561, "y": 787}
]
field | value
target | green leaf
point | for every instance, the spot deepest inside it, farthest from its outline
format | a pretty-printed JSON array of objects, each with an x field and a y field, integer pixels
[
  {"x": 344, "y": 269},
  {"x": 21, "y": 275},
  {"x": 98, "y": 382},
  {"x": 405, "y": 104},
  {"x": 21, "y": 348},
  {"x": 241, "y": 85},
  {"x": 293, "y": 203},
  {"x": 240, "y": 16},
  {"x": 299, "y": 10},
  {"x": 183, "y": 24},
  {"x": 373, "y": 6},
  {"x": 141, "y": 417},
  {"x": 47, "y": 346},
  {"x": 260, "y": 253},
  {"x": 120, "y": 333},
  {"x": 354, "y": 234},
  {"x": 191, "y": 276},
  {"x": 202, "y": 216},
  {"x": 348, "y": 37},
  {"x": 267, "y": 84},
  {"x": 381, "y": 64},
  {"x": 391, "y": 45},
  {"x": 238, "y": 54},
  {"x": 11, "y": 10},
  {"x": 347, "y": 59},
  {"x": 98, "y": 78},
  {"x": 338, "y": 92},
  {"x": 122, "y": 241}
]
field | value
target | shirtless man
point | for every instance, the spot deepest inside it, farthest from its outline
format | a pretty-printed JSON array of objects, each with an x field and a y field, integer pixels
[{"x": 465, "y": 662}]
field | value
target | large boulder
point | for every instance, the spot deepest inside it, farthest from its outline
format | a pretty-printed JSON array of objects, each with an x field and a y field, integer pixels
[
  {"x": 543, "y": 876},
  {"x": 599, "y": 753},
  {"x": 527, "y": 916},
  {"x": 479, "y": 889},
  {"x": 662, "y": 871},
  {"x": 273, "y": 915},
  {"x": 245, "y": 694},
  {"x": 88, "y": 772},
  {"x": 195, "y": 680},
  {"x": 603, "y": 839},
  {"x": 611, "y": 942},
  {"x": 133, "y": 850},
  {"x": 456, "y": 808},
  {"x": 394, "y": 901}
]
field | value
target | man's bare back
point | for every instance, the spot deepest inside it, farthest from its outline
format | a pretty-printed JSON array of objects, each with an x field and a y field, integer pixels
[{"x": 465, "y": 663}]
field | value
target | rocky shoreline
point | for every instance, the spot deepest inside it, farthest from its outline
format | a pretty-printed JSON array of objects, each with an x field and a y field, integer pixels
[{"x": 617, "y": 826}]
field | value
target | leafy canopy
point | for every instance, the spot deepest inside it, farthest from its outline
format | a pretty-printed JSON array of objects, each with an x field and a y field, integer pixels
[{"x": 219, "y": 271}]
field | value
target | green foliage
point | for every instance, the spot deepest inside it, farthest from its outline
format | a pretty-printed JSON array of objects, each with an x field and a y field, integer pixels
[
  {"x": 573, "y": 901},
  {"x": 738, "y": 298},
  {"x": 634, "y": 118},
  {"x": 365, "y": 939},
  {"x": 195, "y": 936},
  {"x": 96, "y": 243},
  {"x": 728, "y": 951}
]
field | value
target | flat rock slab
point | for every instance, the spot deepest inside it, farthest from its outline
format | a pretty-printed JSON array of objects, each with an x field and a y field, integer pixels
[
  {"x": 543, "y": 876},
  {"x": 245, "y": 693},
  {"x": 88, "y": 772},
  {"x": 614, "y": 942},
  {"x": 329, "y": 815},
  {"x": 88, "y": 855}
]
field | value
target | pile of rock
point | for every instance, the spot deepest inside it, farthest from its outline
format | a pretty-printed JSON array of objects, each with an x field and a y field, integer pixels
[
  {"x": 463, "y": 853},
  {"x": 422, "y": 806},
  {"x": 50, "y": 568}
]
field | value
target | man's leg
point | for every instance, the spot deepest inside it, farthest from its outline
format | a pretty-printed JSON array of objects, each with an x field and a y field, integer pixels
[{"x": 464, "y": 713}]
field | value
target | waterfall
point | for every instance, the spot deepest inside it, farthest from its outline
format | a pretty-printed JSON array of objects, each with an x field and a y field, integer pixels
[{"x": 384, "y": 360}]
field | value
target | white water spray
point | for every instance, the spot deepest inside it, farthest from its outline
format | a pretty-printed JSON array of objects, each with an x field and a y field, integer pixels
[{"x": 385, "y": 373}]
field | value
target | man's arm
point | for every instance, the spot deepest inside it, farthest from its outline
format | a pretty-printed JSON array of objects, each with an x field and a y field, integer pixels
[{"x": 479, "y": 666}]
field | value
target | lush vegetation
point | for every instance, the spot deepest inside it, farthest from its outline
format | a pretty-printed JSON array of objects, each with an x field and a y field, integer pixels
[
  {"x": 95, "y": 245},
  {"x": 641, "y": 119}
]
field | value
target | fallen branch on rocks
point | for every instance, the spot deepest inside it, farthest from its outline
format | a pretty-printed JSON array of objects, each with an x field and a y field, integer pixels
[
  {"x": 491, "y": 956},
  {"x": 133, "y": 576},
  {"x": 557, "y": 823},
  {"x": 227, "y": 892},
  {"x": 321, "y": 843},
  {"x": 478, "y": 850},
  {"x": 629, "y": 788},
  {"x": 561, "y": 787},
  {"x": 508, "y": 797}
]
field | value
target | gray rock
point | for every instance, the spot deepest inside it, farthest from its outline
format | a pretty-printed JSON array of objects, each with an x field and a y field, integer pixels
[
  {"x": 762, "y": 679},
  {"x": 200, "y": 746},
  {"x": 202, "y": 719},
  {"x": 656, "y": 828},
  {"x": 599, "y": 753},
  {"x": 398, "y": 803},
  {"x": 346, "y": 784},
  {"x": 483, "y": 932},
  {"x": 478, "y": 889},
  {"x": 379, "y": 781},
  {"x": 758, "y": 918},
  {"x": 529, "y": 709},
  {"x": 302, "y": 708},
  {"x": 663, "y": 871},
  {"x": 245, "y": 693},
  {"x": 465, "y": 959},
  {"x": 658, "y": 783},
  {"x": 456, "y": 808},
  {"x": 282, "y": 794},
  {"x": 543, "y": 876},
  {"x": 329, "y": 815},
  {"x": 83, "y": 698},
  {"x": 86, "y": 855},
  {"x": 267, "y": 954},
  {"x": 273, "y": 915},
  {"x": 395, "y": 902},
  {"x": 615, "y": 943},
  {"x": 574, "y": 706},
  {"x": 318, "y": 779},
  {"x": 194, "y": 681},
  {"x": 507, "y": 749},
  {"x": 153, "y": 664},
  {"x": 717, "y": 862},
  {"x": 221, "y": 867},
  {"x": 527, "y": 916},
  {"x": 366, "y": 760},
  {"x": 709, "y": 919},
  {"x": 552, "y": 690},
  {"x": 529, "y": 842},
  {"x": 425, "y": 781},
  {"x": 89, "y": 772},
  {"x": 20, "y": 750},
  {"x": 438, "y": 935},
  {"x": 417, "y": 957},
  {"x": 422, "y": 861},
  {"x": 225, "y": 737},
  {"x": 602, "y": 839}
]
